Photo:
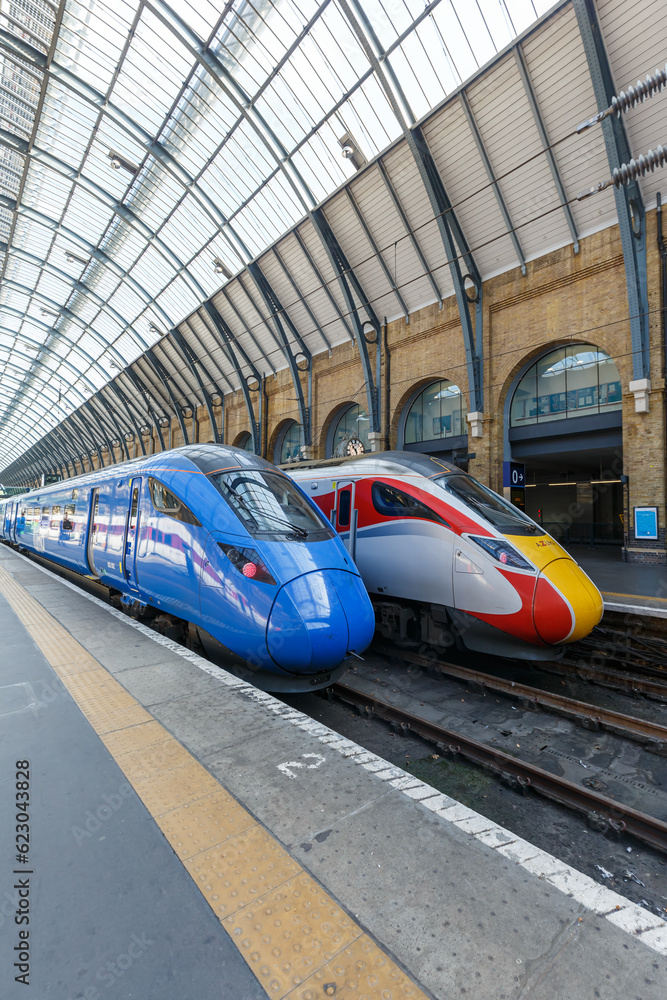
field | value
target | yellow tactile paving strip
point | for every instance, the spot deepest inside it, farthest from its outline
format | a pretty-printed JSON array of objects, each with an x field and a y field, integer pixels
[{"x": 299, "y": 943}]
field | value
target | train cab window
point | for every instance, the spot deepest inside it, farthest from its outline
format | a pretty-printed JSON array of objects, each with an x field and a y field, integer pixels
[
  {"x": 165, "y": 502},
  {"x": 269, "y": 505},
  {"x": 499, "y": 512},
  {"x": 392, "y": 502}
]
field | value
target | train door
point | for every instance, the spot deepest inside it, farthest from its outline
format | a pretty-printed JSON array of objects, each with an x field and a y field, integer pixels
[
  {"x": 93, "y": 530},
  {"x": 132, "y": 535},
  {"x": 344, "y": 515},
  {"x": 9, "y": 521}
]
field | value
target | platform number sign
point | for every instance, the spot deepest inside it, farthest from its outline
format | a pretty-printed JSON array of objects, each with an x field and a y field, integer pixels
[{"x": 514, "y": 474}]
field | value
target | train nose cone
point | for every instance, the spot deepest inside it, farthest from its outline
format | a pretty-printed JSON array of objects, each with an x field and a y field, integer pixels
[
  {"x": 308, "y": 625},
  {"x": 567, "y": 604}
]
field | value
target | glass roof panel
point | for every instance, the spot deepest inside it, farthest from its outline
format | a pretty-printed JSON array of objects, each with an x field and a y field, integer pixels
[{"x": 203, "y": 154}]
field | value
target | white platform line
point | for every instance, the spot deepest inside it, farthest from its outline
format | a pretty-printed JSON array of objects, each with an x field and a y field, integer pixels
[{"x": 635, "y": 920}]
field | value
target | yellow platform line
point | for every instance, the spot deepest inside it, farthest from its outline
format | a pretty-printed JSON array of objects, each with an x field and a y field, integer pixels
[
  {"x": 297, "y": 940},
  {"x": 634, "y": 597}
]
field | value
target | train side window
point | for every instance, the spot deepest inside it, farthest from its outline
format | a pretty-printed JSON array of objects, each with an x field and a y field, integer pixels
[
  {"x": 55, "y": 516},
  {"x": 392, "y": 502},
  {"x": 344, "y": 508},
  {"x": 134, "y": 510},
  {"x": 96, "y": 508},
  {"x": 45, "y": 516},
  {"x": 167, "y": 503},
  {"x": 68, "y": 516}
]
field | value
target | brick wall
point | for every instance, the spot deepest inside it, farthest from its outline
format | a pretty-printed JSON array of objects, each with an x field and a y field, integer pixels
[{"x": 564, "y": 298}]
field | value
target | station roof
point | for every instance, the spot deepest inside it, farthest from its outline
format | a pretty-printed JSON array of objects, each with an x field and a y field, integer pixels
[{"x": 157, "y": 156}]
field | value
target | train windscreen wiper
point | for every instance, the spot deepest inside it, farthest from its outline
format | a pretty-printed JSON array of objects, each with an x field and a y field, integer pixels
[{"x": 301, "y": 532}]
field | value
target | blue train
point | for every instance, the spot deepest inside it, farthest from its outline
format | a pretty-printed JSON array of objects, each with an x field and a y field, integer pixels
[{"x": 211, "y": 539}]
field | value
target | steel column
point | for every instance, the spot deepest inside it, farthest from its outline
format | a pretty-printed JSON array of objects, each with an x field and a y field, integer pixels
[
  {"x": 629, "y": 202},
  {"x": 225, "y": 338},
  {"x": 192, "y": 362}
]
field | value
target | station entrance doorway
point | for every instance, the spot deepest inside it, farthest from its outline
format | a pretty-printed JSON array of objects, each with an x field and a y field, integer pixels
[{"x": 565, "y": 427}]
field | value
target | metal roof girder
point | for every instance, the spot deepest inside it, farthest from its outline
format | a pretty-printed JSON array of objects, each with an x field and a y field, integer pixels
[
  {"x": 435, "y": 189},
  {"x": 278, "y": 314},
  {"x": 120, "y": 395},
  {"x": 73, "y": 318},
  {"x": 77, "y": 419},
  {"x": 154, "y": 148},
  {"x": 192, "y": 362},
  {"x": 202, "y": 348},
  {"x": 347, "y": 278},
  {"x": 84, "y": 290},
  {"x": 442, "y": 208},
  {"x": 544, "y": 138},
  {"x": 302, "y": 297},
  {"x": 143, "y": 390},
  {"x": 165, "y": 379},
  {"x": 96, "y": 254},
  {"x": 225, "y": 338},
  {"x": 490, "y": 173},
  {"x": 102, "y": 421},
  {"x": 409, "y": 231},
  {"x": 122, "y": 211},
  {"x": 324, "y": 285},
  {"x": 378, "y": 254},
  {"x": 629, "y": 201}
]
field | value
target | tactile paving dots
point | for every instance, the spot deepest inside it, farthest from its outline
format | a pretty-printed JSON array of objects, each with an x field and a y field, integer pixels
[
  {"x": 361, "y": 971},
  {"x": 198, "y": 826},
  {"x": 241, "y": 870},
  {"x": 289, "y": 933}
]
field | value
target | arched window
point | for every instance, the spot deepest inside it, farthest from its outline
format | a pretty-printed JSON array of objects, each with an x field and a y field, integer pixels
[
  {"x": 288, "y": 445},
  {"x": 436, "y": 413},
  {"x": 245, "y": 441},
  {"x": 573, "y": 381},
  {"x": 350, "y": 433}
]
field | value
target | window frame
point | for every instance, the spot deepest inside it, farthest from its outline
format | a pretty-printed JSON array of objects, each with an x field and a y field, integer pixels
[{"x": 182, "y": 513}]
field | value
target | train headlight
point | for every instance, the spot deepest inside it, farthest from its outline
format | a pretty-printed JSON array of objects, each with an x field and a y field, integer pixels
[
  {"x": 248, "y": 562},
  {"x": 502, "y": 551}
]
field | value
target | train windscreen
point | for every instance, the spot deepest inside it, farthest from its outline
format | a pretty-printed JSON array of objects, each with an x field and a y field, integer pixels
[
  {"x": 270, "y": 505},
  {"x": 503, "y": 515}
]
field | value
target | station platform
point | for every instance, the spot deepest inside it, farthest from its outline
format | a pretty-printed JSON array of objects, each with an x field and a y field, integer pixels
[
  {"x": 626, "y": 587},
  {"x": 194, "y": 838}
]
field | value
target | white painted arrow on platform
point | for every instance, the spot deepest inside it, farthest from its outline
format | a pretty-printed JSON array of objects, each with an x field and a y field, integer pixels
[{"x": 285, "y": 768}]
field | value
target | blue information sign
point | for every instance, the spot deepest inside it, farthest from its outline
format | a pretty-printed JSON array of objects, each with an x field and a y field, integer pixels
[
  {"x": 646, "y": 522},
  {"x": 514, "y": 474}
]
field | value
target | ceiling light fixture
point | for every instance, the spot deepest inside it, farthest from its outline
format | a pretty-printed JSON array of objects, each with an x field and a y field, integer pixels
[
  {"x": 72, "y": 258},
  {"x": 350, "y": 150},
  {"x": 119, "y": 162},
  {"x": 220, "y": 267},
  {"x": 153, "y": 328}
]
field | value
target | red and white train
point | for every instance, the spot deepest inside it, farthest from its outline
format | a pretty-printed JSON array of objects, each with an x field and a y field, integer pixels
[{"x": 445, "y": 559}]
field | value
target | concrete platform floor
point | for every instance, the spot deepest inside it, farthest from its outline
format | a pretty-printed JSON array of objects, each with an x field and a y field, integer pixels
[{"x": 259, "y": 852}]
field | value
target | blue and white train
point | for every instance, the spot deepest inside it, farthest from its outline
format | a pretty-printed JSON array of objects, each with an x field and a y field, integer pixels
[{"x": 215, "y": 537}]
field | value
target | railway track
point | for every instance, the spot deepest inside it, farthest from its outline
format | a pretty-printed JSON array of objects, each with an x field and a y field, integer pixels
[
  {"x": 651, "y": 735},
  {"x": 603, "y": 812}
]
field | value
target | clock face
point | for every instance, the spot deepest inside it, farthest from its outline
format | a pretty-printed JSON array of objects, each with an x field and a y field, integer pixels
[{"x": 355, "y": 447}]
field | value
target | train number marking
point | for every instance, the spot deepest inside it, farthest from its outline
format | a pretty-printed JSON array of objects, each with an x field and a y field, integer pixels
[{"x": 286, "y": 767}]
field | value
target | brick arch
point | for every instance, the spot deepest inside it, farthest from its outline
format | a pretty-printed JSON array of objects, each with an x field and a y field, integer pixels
[
  {"x": 414, "y": 390},
  {"x": 624, "y": 369},
  {"x": 239, "y": 440},
  {"x": 356, "y": 399},
  {"x": 275, "y": 435}
]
